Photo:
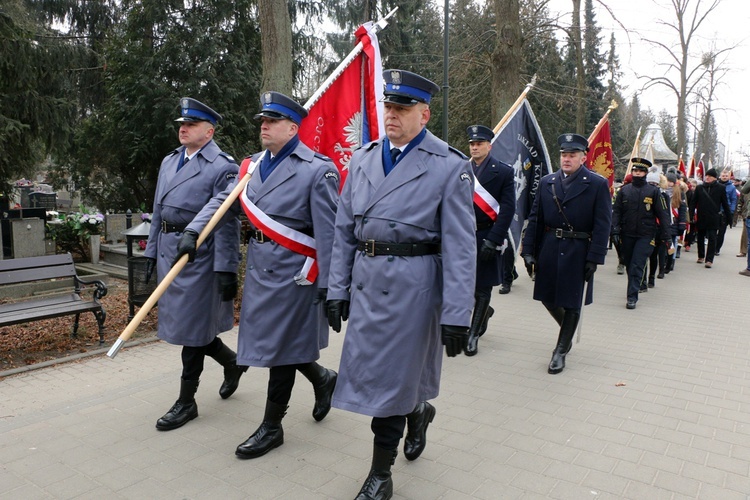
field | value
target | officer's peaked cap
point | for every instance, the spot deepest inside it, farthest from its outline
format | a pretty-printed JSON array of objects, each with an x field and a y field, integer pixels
[
  {"x": 640, "y": 164},
  {"x": 192, "y": 110},
  {"x": 479, "y": 133},
  {"x": 278, "y": 106},
  {"x": 572, "y": 142},
  {"x": 406, "y": 88}
]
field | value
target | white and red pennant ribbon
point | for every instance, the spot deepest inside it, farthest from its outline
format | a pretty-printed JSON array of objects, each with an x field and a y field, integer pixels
[
  {"x": 484, "y": 200},
  {"x": 287, "y": 237}
]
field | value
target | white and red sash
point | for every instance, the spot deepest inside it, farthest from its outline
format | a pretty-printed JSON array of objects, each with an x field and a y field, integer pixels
[
  {"x": 485, "y": 201},
  {"x": 287, "y": 237}
]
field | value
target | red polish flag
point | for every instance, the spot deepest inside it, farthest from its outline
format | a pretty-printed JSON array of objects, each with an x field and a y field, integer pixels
[{"x": 348, "y": 112}]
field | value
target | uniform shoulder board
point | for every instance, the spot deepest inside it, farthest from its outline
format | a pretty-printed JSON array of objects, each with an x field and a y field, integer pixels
[
  {"x": 173, "y": 152},
  {"x": 227, "y": 156},
  {"x": 323, "y": 157},
  {"x": 370, "y": 145},
  {"x": 465, "y": 176},
  {"x": 331, "y": 175},
  {"x": 459, "y": 153}
]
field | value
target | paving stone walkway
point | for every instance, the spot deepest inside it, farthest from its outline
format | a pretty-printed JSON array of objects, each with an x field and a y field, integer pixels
[{"x": 654, "y": 404}]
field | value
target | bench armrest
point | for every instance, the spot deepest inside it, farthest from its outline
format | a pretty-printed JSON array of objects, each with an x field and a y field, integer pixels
[{"x": 101, "y": 288}]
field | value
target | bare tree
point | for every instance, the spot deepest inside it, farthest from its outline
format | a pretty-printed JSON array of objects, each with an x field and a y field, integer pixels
[
  {"x": 690, "y": 15},
  {"x": 276, "y": 43}
]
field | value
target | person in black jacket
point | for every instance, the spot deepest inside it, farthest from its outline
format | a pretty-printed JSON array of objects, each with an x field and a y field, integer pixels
[
  {"x": 634, "y": 226},
  {"x": 494, "y": 213},
  {"x": 707, "y": 204}
]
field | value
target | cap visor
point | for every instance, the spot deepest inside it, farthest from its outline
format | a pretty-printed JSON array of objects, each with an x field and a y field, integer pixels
[
  {"x": 271, "y": 114},
  {"x": 190, "y": 119},
  {"x": 401, "y": 100}
]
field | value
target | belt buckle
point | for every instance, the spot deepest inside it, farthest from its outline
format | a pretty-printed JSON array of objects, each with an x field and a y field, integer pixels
[
  {"x": 558, "y": 232},
  {"x": 370, "y": 248},
  {"x": 164, "y": 226},
  {"x": 259, "y": 236}
]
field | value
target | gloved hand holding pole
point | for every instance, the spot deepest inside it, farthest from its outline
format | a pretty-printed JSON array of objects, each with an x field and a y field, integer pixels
[{"x": 156, "y": 294}]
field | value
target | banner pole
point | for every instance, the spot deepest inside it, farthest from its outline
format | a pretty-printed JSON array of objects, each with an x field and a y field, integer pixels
[
  {"x": 613, "y": 105},
  {"x": 515, "y": 105},
  {"x": 379, "y": 26}
]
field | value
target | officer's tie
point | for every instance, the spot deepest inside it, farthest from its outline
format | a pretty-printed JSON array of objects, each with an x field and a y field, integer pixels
[
  {"x": 182, "y": 162},
  {"x": 394, "y": 155}
]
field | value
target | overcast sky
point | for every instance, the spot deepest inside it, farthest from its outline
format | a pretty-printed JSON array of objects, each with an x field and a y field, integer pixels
[{"x": 726, "y": 26}]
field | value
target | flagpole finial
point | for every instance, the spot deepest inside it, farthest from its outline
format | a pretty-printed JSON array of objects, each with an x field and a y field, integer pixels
[{"x": 612, "y": 105}]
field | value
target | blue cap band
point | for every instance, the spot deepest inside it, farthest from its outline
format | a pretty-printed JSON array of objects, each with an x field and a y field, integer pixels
[
  {"x": 283, "y": 110},
  {"x": 196, "y": 113},
  {"x": 407, "y": 90}
]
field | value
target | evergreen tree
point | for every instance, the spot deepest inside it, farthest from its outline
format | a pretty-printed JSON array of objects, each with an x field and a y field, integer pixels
[
  {"x": 37, "y": 95},
  {"x": 162, "y": 51}
]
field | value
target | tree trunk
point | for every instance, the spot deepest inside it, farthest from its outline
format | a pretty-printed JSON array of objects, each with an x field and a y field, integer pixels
[
  {"x": 575, "y": 35},
  {"x": 276, "y": 43},
  {"x": 506, "y": 58}
]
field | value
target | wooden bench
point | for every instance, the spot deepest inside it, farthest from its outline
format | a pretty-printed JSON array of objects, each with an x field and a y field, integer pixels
[{"x": 49, "y": 268}]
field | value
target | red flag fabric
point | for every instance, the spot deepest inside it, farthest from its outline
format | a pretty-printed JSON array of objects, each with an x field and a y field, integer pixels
[
  {"x": 691, "y": 172},
  {"x": 681, "y": 166},
  {"x": 600, "y": 158},
  {"x": 699, "y": 171},
  {"x": 350, "y": 112}
]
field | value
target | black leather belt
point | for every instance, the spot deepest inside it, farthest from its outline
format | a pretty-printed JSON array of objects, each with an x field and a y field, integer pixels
[
  {"x": 373, "y": 248},
  {"x": 484, "y": 225},
  {"x": 258, "y": 235},
  {"x": 564, "y": 233},
  {"x": 168, "y": 227}
]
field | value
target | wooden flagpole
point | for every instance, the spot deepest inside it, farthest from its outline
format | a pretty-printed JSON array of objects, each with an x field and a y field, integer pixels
[
  {"x": 379, "y": 26},
  {"x": 636, "y": 148},
  {"x": 172, "y": 274},
  {"x": 613, "y": 105},
  {"x": 515, "y": 105}
]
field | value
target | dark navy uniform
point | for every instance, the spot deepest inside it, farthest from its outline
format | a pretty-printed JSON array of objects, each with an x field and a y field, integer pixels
[
  {"x": 634, "y": 214},
  {"x": 497, "y": 178},
  {"x": 566, "y": 238}
]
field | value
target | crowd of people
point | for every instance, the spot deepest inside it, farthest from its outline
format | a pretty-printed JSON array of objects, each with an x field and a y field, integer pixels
[
  {"x": 407, "y": 253},
  {"x": 659, "y": 216}
]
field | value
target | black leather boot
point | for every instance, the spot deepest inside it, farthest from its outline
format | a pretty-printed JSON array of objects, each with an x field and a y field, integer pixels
[
  {"x": 379, "y": 484},
  {"x": 323, "y": 381},
  {"x": 564, "y": 342},
  {"x": 268, "y": 436},
  {"x": 490, "y": 313},
  {"x": 232, "y": 372},
  {"x": 416, "y": 430},
  {"x": 184, "y": 410},
  {"x": 478, "y": 319}
]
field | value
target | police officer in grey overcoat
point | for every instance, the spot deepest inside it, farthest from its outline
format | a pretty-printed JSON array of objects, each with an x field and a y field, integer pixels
[
  {"x": 293, "y": 191},
  {"x": 199, "y": 303},
  {"x": 404, "y": 262},
  {"x": 497, "y": 180},
  {"x": 566, "y": 239}
]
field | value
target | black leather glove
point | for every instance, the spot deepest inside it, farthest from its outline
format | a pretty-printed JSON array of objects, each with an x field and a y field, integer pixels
[
  {"x": 320, "y": 296},
  {"x": 454, "y": 339},
  {"x": 337, "y": 311},
  {"x": 186, "y": 246},
  {"x": 589, "y": 269},
  {"x": 150, "y": 268},
  {"x": 616, "y": 239},
  {"x": 488, "y": 250},
  {"x": 530, "y": 263},
  {"x": 227, "y": 285}
]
